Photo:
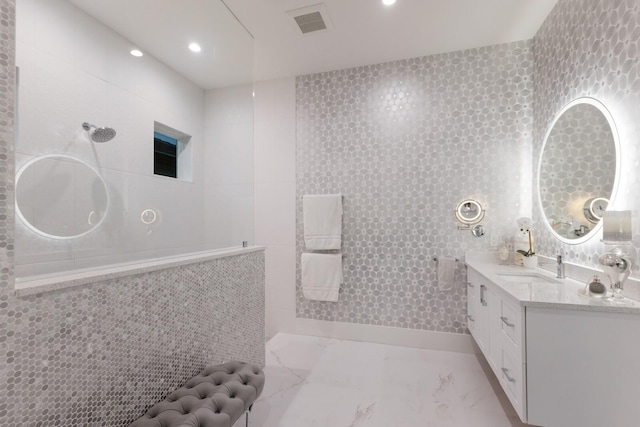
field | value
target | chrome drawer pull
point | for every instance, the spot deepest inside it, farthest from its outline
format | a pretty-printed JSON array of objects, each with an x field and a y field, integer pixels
[
  {"x": 506, "y": 321},
  {"x": 505, "y": 371},
  {"x": 470, "y": 317},
  {"x": 483, "y": 300}
]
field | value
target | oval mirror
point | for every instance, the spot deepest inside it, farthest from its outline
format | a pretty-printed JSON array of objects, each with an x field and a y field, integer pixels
[
  {"x": 577, "y": 170},
  {"x": 60, "y": 197}
]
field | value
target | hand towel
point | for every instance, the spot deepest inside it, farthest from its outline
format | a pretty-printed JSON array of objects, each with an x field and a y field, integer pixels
[
  {"x": 321, "y": 276},
  {"x": 446, "y": 272},
  {"x": 322, "y": 218}
]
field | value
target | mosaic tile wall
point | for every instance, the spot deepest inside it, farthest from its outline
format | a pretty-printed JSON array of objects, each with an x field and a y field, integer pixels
[
  {"x": 7, "y": 122},
  {"x": 590, "y": 48},
  {"x": 404, "y": 142},
  {"x": 100, "y": 355}
]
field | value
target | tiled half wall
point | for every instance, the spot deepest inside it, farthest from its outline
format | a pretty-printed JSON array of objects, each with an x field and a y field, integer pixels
[
  {"x": 100, "y": 355},
  {"x": 404, "y": 142}
]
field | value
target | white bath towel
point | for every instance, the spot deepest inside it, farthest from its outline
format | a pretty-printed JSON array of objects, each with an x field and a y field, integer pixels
[
  {"x": 321, "y": 276},
  {"x": 446, "y": 272},
  {"x": 322, "y": 218}
]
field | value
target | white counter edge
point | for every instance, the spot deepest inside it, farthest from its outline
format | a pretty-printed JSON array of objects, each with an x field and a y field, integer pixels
[{"x": 36, "y": 285}]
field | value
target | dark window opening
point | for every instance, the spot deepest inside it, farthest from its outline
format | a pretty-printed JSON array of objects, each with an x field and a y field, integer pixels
[{"x": 165, "y": 155}]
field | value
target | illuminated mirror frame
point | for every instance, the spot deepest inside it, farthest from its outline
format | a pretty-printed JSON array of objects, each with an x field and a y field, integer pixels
[
  {"x": 469, "y": 221},
  {"x": 36, "y": 230},
  {"x": 616, "y": 141}
]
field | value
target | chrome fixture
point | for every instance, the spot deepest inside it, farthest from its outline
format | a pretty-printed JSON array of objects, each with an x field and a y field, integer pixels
[
  {"x": 477, "y": 231},
  {"x": 581, "y": 231},
  {"x": 470, "y": 212},
  {"x": 617, "y": 266},
  {"x": 99, "y": 134},
  {"x": 560, "y": 268}
]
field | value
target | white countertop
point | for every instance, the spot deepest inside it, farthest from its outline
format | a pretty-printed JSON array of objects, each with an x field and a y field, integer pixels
[{"x": 563, "y": 293}]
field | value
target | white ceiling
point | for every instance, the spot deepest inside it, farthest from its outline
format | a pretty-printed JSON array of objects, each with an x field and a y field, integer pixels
[
  {"x": 164, "y": 29},
  {"x": 363, "y": 32},
  {"x": 367, "y": 32}
]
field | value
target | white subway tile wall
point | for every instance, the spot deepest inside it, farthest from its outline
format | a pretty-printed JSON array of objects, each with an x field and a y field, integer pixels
[{"x": 75, "y": 69}]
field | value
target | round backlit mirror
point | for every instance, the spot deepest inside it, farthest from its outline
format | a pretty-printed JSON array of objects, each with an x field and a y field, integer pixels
[
  {"x": 60, "y": 197},
  {"x": 577, "y": 170},
  {"x": 469, "y": 212}
]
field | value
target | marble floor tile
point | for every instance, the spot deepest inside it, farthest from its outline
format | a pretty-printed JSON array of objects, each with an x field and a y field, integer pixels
[{"x": 313, "y": 381}]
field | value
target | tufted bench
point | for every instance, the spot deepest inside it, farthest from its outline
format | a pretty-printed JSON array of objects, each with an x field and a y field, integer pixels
[{"x": 217, "y": 397}]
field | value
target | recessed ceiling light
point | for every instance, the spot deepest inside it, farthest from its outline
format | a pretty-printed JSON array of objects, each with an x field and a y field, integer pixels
[
  {"x": 136, "y": 52},
  {"x": 194, "y": 47},
  {"x": 388, "y": 2}
]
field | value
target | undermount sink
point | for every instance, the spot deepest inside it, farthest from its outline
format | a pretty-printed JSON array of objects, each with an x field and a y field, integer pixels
[{"x": 526, "y": 277}]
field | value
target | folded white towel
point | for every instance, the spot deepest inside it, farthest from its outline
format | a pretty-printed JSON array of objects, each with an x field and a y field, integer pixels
[
  {"x": 446, "y": 272},
  {"x": 322, "y": 218},
  {"x": 321, "y": 276}
]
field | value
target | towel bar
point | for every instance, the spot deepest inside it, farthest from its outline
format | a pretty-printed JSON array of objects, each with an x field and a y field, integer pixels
[{"x": 435, "y": 258}]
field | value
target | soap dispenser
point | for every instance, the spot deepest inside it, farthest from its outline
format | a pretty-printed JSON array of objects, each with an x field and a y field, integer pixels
[{"x": 596, "y": 288}]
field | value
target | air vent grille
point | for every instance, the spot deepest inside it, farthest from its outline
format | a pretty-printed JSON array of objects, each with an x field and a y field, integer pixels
[
  {"x": 310, "y": 19},
  {"x": 310, "y": 22}
]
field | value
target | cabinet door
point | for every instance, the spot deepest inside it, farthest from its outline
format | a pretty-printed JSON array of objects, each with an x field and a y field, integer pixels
[
  {"x": 471, "y": 305},
  {"x": 478, "y": 309},
  {"x": 507, "y": 328},
  {"x": 485, "y": 297}
]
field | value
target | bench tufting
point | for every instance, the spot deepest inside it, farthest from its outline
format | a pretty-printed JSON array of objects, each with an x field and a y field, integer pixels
[{"x": 217, "y": 397}]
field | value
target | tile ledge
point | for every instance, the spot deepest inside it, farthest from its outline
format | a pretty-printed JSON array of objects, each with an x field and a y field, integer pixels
[{"x": 38, "y": 284}]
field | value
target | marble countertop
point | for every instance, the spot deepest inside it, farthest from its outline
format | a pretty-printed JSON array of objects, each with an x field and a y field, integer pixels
[{"x": 555, "y": 293}]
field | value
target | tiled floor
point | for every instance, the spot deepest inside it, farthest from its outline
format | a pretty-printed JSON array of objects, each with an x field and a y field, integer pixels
[{"x": 332, "y": 383}]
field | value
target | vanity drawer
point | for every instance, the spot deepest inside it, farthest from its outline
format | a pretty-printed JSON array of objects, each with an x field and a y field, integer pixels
[
  {"x": 511, "y": 322},
  {"x": 512, "y": 379}
]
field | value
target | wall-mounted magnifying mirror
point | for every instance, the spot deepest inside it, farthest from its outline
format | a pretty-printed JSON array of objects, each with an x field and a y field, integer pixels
[
  {"x": 60, "y": 197},
  {"x": 594, "y": 208},
  {"x": 470, "y": 212},
  {"x": 577, "y": 172}
]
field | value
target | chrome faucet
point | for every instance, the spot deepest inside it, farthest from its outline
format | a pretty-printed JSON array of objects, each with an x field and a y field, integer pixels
[{"x": 560, "y": 268}]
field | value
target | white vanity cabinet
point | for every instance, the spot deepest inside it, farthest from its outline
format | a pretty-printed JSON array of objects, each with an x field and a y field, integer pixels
[
  {"x": 563, "y": 360},
  {"x": 498, "y": 329}
]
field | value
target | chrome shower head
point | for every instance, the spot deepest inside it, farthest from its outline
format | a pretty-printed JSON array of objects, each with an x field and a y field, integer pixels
[{"x": 99, "y": 134}]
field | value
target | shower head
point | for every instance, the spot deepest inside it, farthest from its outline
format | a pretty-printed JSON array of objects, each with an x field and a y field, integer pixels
[{"x": 99, "y": 134}]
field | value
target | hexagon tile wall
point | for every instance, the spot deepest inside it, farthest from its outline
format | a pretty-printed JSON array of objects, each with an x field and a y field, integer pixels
[
  {"x": 590, "y": 48},
  {"x": 101, "y": 354},
  {"x": 404, "y": 142}
]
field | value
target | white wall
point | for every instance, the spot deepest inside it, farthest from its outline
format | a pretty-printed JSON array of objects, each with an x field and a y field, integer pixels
[
  {"x": 228, "y": 175},
  {"x": 274, "y": 166},
  {"x": 74, "y": 69}
]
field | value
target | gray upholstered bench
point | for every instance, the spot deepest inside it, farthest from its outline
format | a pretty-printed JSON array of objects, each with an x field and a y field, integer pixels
[{"x": 217, "y": 397}]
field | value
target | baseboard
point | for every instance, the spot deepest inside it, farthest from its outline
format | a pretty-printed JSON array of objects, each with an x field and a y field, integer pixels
[{"x": 432, "y": 340}]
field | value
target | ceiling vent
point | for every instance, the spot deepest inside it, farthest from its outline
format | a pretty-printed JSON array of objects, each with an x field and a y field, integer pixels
[{"x": 310, "y": 19}]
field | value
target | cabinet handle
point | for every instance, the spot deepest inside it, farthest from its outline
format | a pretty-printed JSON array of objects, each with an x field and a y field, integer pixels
[
  {"x": 471, "y": 285},
  {"x": 505, "y": 320},
  {"x": 483, "y": 300},
  {"x": 470, "y": 317},
  {"x": 505, "y": 371}
]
